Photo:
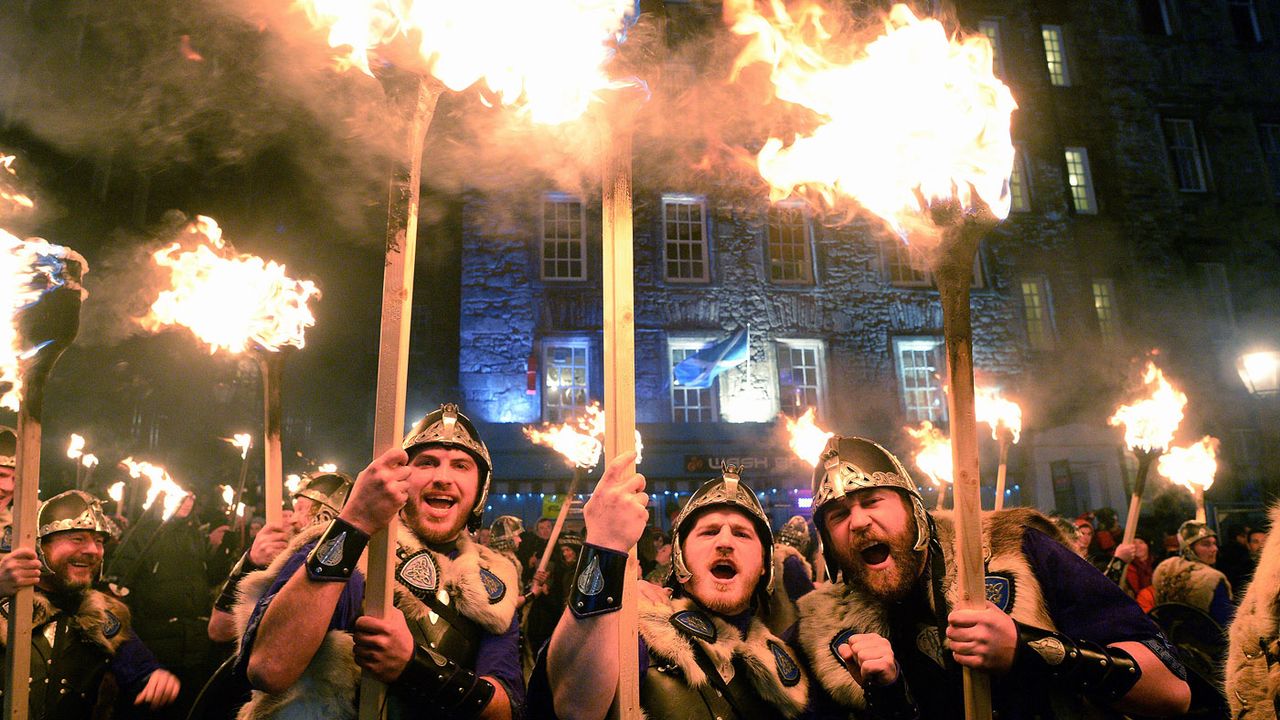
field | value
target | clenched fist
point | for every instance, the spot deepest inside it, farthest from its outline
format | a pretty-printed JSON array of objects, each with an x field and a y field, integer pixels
[
  {"x": 617, "y": 511},
  {"x": 984, "y": 639},
  {"x": 869, "y": 658},
  {"x": 383, "y": 646},
  {"x": 268, "y": 543},
  {"x": 379, "y": 492}
]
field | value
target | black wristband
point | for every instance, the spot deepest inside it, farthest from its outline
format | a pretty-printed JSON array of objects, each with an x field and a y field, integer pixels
[
  {"x": 892, "y": 701},
  {"x": 336, "y": 554},
  {"x": 227, "y": 597},
  {"x": 598, "y": 581},
  {"x": 433, "y": 679},
  {"x": 1105, "y": 674}
]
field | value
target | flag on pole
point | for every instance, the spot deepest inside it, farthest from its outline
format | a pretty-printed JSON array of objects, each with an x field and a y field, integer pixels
[{"x": 700, "y": 369}]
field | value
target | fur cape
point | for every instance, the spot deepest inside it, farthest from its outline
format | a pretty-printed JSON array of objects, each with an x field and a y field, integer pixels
[
  {"x": 832, "y": 609},
  {"x": 1178, "y": 580},
  {"x": 98, "y": 615},
  {"x": 675, "y": 647},
  {"x": 327, "y": 688},
  {"x": 1253, "y": 657}
]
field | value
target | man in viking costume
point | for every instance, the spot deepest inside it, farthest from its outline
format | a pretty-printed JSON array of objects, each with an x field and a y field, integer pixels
[
  {"x": 1059, "y": 639},
  {"x": 1189, "y": 577},
  {"x": 79, "y": 636},
  {"x": 706, "y": 652},
  {"x": 451, "y": 648},
  {"x": 504, "y": 538}
]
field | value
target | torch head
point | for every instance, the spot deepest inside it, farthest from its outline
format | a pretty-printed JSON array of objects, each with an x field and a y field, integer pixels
[
  {"x": 50, "y": 323},
  {"x": 850, "y": 464},
  {"x": 726, "y": 491},
  {"x": 447, "y": 427}
]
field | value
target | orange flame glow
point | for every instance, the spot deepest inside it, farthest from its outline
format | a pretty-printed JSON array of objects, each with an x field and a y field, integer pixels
[
  {"x": 546, "y": 58},
  {"x": 75, "y": 448},
  {"x": 11, "y": 199},
  {"x": 328, "y": 468},
  {"x": 910, "y": 117},
  {"x": 578, "y": 439},
  {"x": 230, "y": 300},
  {"x": 229, "y": 497},
  {"x": 1191, "y": 467},
  {"x": 1149, "y": 423},
  {"x": 998, "y": 412},
  {"x": 89, "y": 460},
  {"x": 116, "y": 491},
  {"x": 292, "y": 482},
  {"x": 158, "y": 482},
  {"x": 805, "y": 437},
  {"x": 933, "y": 455},
  {"x": 242, "y": 442}
]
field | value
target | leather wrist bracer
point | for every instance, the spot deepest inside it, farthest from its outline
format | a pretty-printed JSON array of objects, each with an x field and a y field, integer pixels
[
  {"x": 598, "y": 581},
  {"x": 1102, "y": 673},
  {"x": 435, "y": 680},
  {"x": 227, "y": 597},
  {"x": 335, "y": 556}
]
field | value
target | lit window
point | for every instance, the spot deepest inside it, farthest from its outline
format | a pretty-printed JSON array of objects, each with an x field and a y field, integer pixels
[
  {"x": 800, "y": 376},
  {"x": 919, "y": 378},
  {"x": 1080, "y": 180},
  {"x": 563, "y": 245},
  {"x": 1215, "y": 298},
  {"x": 1055, "y": 55},
  {"x": 1020, "y": 183},
  {"x": 1184, "y": 154},
  {"x": 789, "y": 254},
  {"x": 1104, "y": 307},
  {"x": 1038, "y": 311},
  {"x": 1156, "y": 16},
  {"x": 991, "y": 28},
  {"x": 685, "y": 233},
  {"x": 565, "y": 379},
  {"x": 1269, "y": 134},
  {"x": 906, "y": 267},
  {"x": 690, "y": 405},
  {"x": 1244, "y": 20}
]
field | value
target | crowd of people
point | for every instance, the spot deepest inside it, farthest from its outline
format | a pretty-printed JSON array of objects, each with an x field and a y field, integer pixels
[{"x": 853, "y": 612}]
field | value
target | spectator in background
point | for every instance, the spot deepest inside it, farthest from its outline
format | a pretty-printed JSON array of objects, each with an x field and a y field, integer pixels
[
  {"x": 1233, "y": 557},
  {"x": 1257, "y": 539},
  {"x": 1084, "y": 534},
  {"x": 532, "y": 543},
  {"x": 1190, "y": 578},
  {"x": 1137, "y": 574}
]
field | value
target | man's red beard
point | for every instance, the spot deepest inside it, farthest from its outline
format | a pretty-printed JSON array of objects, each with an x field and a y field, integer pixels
[{"x": 889, "y": 584}]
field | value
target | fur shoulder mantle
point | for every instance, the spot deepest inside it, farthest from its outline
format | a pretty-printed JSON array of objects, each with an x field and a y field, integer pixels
[
  {"x": 1179, "y": 580},
  {"x": 482, "y": 584},
  {"x": 772, "y": 667},
  {"x": 100, "y": 619},
  {"x": 831, "y": 610}
]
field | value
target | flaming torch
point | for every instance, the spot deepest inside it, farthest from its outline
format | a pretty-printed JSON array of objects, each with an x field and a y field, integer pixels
[
  {"x": 1149, "y": 424},
  {"x": 242, "y": 442},
  {"x": 236, "y": 302},
  {"x": 933, "y": 457},
  {"x": 578, "y": 441},
  {"x": 913, "y": 127},
  {"x": 41, "y": 293},
  {"x": 807, "y": 440},
  {"x": 159, "y": 483},
  {"x": 1193, "y": 468},
  {"x": 1004, "y": 416},
  {"x": 85, "y": 462}
]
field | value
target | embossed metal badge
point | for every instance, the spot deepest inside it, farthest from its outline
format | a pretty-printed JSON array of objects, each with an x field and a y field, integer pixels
[
  {"x": 330, "y": 554},
  {"x": 999, "y": 588},
  {"x": 419, "y": 574},
  {"x": 591, "y": 580},
  {"x": 493, "y": 585},
  {"x": 841, "y": 638},
  {"x": 694, "y": 623},
  {"x": 1050, "y": 649},
  {"x": 788, "y": 671},
  {"x": 111, "y": 627},
  {"x": 6, "y": 543}
]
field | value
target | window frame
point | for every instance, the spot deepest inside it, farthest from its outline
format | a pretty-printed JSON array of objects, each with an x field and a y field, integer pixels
[
  {"x": 1173, "y": 128},
  {"x": 700, "y": 201},
  {"x": 806, "y": 262},
  {"x": 1254, "y": 21},
  {"x": 892, "y": 250},
  {"x": 560, "y": 198},
  {"x": 934, "y": 345},
  {"x": 1020, "y": 168},
  {"x": 1063, "y": 78},
  {"x": 1217, "y": 272},
  {"x": 1109, "y": 326},
  {"x": 1048, "y": 332},
  {"x": 548, "y": 345},
  {"x": 991, "y": 28},
  {"x": 819, "y": 349},
  {"x": 1087, "y": 174},
  {"x": 692, "y": 343}
]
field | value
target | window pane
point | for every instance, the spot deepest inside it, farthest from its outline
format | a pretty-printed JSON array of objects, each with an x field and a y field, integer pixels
[
  {"x": 686, "y": 247},
  {"x": 1019, "y": 186},
  {"x": 563, "y": 248},
  {"x": 991, "y": 28},
  {"x": 1184, "y": 154},
  {"x": 1079, "y": 180},
  {"x": 799, "y": 376},
  {"x": 1104, "y": 306},
  {"x": 899, "y": 265},
  {"x": 1036, "y": 310},
  {"x": 1055, "y": 55},
  {"x": 565, "y": 385},
  {"x": 691, "y": 404},
  {"x": 919, "y": 379},
  {"x": 788, "y": 245}
]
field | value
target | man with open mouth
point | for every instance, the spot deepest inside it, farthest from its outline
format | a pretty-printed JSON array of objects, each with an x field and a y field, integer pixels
[
  {"x": 449, "y": 650},
  {"x": 705, "y": 652},
  {"x": 885, "y": 639}
]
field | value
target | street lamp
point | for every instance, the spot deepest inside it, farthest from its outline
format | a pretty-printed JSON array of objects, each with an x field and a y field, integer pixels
[{"x": 1260, "y": 372}]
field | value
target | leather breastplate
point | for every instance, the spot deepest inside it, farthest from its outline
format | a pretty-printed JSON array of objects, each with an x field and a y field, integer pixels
[
  {"x": 66, "y": 676},
  {"x": 665, "y": 693}
]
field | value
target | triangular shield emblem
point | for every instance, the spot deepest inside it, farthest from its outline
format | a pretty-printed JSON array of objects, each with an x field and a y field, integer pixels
[
  {"x": 591, "y": 580},
  {"x": 330, "y": 554}
]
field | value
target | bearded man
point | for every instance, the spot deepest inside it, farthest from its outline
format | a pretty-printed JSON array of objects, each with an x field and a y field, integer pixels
[
  {"x": 79, "y": 635},
  {"x": 451, "y": 647},
  {"x": 706, "y": 653},
  {"x": 1059, "y": 639}
]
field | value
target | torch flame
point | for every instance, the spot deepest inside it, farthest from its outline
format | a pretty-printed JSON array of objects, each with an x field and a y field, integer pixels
[
  {"x": 998, "y": 412},
  {"x": 546, "y": 58},
  {"x": 76, "y": 447},
  {"x": 116, "y": 491},
  {"x": 159, "y": 482},
  {"x": 230, "y": 300},
  {"x": 910, "y": 117},
  {"x": 1149, "y": 423},
  {"x": 934, "y": 454},
  {"x": 229, "y": 497},
  {"x": 241, "y": 441},
  {"x": 11, "y": 200},
  {"x": 1192, "y": 466},
  {"x": 578, "y": 439},
  {"x": 292, "y": 482},
  {"x": 89, "y": 460},
  {"x": 805, "y": 437},
  {"x": 328, "y": 468}
]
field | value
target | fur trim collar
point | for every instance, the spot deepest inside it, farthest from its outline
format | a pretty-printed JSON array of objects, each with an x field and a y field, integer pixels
[
  {"x": 100, "y": 619},
  {"x": 758, "y": 652},
  {"x": 1252, "y": 681},
  {"x": 832, "y": 609},
  {"x": 462, "y": 578}
]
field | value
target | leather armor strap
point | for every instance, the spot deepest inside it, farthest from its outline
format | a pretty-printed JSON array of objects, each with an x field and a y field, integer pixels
[
  {"x": 435, "y": 680},
  {"x": 335, "y": 556},
  {"x": 227, "y": 597},
  {"x": 1105, "y": 674},
  {"x": 598, "y": 581},
  {"x": 893, "y": 701}
]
